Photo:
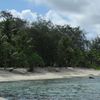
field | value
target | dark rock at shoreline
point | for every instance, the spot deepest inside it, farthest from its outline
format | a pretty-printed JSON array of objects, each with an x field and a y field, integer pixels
[{"x": 91, "y": 77}]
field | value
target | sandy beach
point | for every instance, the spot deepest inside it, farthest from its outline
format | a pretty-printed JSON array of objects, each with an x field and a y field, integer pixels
[{"x": 39, "y": 74}]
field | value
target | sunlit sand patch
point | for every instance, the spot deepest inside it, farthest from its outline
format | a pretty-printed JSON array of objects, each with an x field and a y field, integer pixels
[{"x": 1, "y": 98}]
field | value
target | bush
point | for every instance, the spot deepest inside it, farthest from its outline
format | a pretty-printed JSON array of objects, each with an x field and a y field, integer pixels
[{"x": 35, "y": 60}]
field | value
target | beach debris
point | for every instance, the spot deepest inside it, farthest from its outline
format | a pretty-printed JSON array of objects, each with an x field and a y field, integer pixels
[{"x": 11, "y": 69}]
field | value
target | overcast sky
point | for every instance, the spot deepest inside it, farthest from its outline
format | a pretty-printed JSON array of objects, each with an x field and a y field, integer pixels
[{"x": 83, "y": 13}]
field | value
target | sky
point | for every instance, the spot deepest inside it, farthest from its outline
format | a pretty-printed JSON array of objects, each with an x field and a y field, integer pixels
[{"x": 83, "y": 13}]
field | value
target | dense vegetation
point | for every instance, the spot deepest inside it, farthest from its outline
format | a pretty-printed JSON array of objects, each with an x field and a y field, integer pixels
[{"x": 44, "y": 44}]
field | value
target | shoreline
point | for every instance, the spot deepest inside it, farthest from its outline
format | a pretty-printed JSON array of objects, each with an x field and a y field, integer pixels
[{"x": 19, "y": 75}]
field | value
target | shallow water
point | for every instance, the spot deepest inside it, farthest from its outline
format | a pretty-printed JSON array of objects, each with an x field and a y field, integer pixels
[{"x": 59, "y": 89}]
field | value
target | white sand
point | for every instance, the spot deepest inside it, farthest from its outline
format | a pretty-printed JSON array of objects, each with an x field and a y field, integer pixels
[
  {"x": 61, "y": 73},
  {"x": 2, "y": 98}
]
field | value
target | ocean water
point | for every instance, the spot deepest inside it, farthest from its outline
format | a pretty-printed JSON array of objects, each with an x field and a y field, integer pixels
[{"x": 57, "y": 89}]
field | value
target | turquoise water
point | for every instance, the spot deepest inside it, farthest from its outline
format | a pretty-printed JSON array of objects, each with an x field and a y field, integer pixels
[{"x": 59, "y": 89}]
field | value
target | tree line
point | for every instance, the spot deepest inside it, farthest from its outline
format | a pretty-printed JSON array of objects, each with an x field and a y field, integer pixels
[{"x": 42, "y": 43}]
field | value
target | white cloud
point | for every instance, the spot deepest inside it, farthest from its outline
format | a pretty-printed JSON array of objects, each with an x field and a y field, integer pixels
[
  {"x": 65, "y": 5},
  {"x": 25, "y": 14},
  {"x": 55, "y": 17},
  {"x": 52, "y": 15}
]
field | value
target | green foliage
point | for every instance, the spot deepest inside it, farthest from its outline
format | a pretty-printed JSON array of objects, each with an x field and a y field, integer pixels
[
  {"x": 44, "y": 44},
  {"x": 35, "y": 60},
  {"x": 97, "y": 67}
]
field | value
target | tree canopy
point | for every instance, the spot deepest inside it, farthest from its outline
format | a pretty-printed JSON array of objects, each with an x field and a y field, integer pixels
[{"x": 44, "y": 44}]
